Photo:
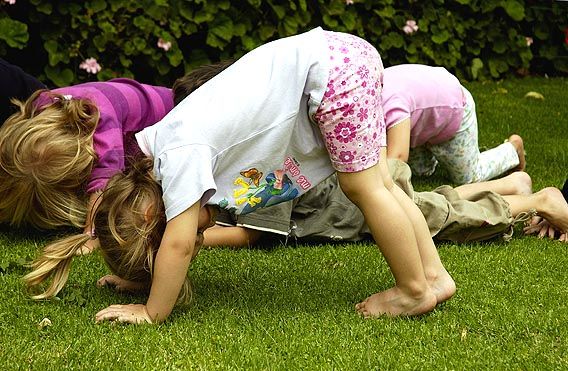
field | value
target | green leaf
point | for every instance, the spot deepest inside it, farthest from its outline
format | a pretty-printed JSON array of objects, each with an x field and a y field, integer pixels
[
  {"x": 476, "y": 65},
  {"x": 186, "y": 11},
  {"x": 97, "y": 6},
  {"x": 203, "y": 16},
  {"x": 385, "y": 12},
  {"x": 266, "y": 31},
  {"x": 45, "y": 8},
  {"x": 500, "y": 46},
  {"x": 330, "y": 22},
  {"x": 514, "y": 9},
  {"x": 14, "y": 33},
  {"x": 291, "y": 25},
  {"x": 279, "y": 10},
  {"x": 441, "y": 37},
  {"x": 175, "y": 56},
  {"x": 214, "y": 41},
  {"x": 59, "y": 77},
  {"x": 349, "y": 20},
  {"x": 223, "y": 27}
]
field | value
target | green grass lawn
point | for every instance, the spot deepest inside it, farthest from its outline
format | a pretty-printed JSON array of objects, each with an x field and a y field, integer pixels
[{"x": 293, "y": 307}]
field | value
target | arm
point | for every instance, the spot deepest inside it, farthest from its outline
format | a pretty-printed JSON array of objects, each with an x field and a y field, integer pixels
[
  {"x": 170, "y": 270},
  {"x": 231, "y": 236},
  {"x": 398, "y": 140}
]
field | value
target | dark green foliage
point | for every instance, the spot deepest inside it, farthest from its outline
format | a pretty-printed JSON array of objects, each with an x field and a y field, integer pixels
[{"x": 474, "y": 39}]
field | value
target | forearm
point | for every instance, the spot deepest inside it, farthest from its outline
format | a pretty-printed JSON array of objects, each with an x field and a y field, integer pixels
[
  {"x": 169, "y": 274},
  {"x": 398, "y": 140},
  {"x": 231, "y": 236},
  {"x": 172, "y": 262}
]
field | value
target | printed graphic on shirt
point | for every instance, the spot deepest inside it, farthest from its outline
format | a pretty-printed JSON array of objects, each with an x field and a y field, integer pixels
[{"x": 253, "y": 192}]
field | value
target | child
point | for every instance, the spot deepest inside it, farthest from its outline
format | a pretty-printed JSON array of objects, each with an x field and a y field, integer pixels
[
  {"x": 428, "y": 112},
  {"x": 66, "y": 143},
  {"x": 261, "y": 147},
  {"x": 14, "y": 84},
  {"x": 472, "y": 212}
]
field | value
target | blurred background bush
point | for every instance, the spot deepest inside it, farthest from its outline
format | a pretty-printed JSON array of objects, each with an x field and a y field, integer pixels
[{"x": 156, "y": 41}]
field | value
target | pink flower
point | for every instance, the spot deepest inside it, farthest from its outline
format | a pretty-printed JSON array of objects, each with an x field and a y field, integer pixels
[
  {"x": 348, "y": 109},
  {"x": 11, "y": 2},
  {"x": 163, "y": 44},
  {"x": 363, "y": 71},
  {"x": 90, "y": 65},
  {"x": 529, "y": 40},
  {"x": 344, "y": 132},
  {"x": 410, "y": 27},
  {"x": 330, "y": 90},
  {"x": 346, "y": 156},
  {"x": 348, "y": 2},
  {"x": 363, "y": 114}
]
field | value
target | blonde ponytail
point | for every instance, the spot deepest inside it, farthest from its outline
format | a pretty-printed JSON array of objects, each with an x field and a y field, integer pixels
[{"x": 55, "y": 262}]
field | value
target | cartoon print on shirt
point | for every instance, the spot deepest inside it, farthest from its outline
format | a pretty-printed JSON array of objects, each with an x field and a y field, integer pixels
[
  {"x": 253, "y": 174},
  {"x": 253, "y": 192}
]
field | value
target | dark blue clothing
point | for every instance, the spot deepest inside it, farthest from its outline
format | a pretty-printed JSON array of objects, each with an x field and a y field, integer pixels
[{"x": 14, "y": 83}]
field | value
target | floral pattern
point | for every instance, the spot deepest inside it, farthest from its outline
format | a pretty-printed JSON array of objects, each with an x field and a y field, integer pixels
[{"x": 350, "y": 115}]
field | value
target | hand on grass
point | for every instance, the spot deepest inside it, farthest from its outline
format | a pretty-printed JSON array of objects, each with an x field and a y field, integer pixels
[
  {"x": 543, "y": 228},
  {"x": 130, "y": 313},
  {"x": 120, "y": 284}
]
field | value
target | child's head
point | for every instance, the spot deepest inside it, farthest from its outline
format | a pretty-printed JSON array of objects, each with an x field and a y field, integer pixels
[
  {"x": 46, "y": 155},
  {"x": 130, "y": 221},
  {"x": 189, "y": 83}
]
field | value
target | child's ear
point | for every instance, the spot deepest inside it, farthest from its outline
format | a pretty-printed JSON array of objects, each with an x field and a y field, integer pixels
[{"x": 149, "y": 213}]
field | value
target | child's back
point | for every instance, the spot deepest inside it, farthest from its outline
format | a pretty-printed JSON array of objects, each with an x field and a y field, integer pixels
[{"x": 241, "y": 127}]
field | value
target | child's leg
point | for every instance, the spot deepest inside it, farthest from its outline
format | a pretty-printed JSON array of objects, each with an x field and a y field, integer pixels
[
  {"x": 548, "y": 203},
  {"x": 517, "y": 183},
  {"x": 422, "y": 162},
  {"x": 461, "y": 157},
  {"x": 394, "y": 234},
  {"x": 438, "y": 278}
]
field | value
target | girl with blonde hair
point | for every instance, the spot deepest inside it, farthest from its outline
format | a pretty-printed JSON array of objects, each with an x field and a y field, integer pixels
[
  {"x": 61, "y": 147},
  {"x": 130, "y": 219}
]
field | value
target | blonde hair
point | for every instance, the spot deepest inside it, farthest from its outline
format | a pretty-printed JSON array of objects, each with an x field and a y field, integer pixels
[
  {"x": 130, "y": 222},
  {"x": 46, "y": 156}
]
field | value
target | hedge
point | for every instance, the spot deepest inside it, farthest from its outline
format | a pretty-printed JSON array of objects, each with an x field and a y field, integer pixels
[{"x": 155, "y": 41}]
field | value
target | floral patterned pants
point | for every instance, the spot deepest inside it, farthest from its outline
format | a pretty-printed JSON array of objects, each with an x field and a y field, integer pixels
[
  {"x": 460, "y": 155},
  {"x": 350, "y": 115}
]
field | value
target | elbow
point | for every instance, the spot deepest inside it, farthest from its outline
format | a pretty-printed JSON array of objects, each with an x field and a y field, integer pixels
[{"x": 398, "y": 156}]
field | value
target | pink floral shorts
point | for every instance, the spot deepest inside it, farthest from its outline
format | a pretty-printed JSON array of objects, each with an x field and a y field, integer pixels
[{"x": 350, "y": 115}]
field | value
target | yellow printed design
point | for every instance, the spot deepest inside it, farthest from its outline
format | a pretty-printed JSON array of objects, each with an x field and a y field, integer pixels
[{"x": 245, "y": 187}]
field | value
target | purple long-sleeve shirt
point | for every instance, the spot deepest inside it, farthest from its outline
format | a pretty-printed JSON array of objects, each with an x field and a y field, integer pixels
[{"x": 125, "y": 107}]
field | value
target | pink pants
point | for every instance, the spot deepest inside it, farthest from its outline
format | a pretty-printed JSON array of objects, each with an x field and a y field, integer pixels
[{"x": 350, "y": 115}]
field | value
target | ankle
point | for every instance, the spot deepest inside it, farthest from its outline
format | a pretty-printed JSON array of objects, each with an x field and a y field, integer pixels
[{"x": 415, "y": 289}]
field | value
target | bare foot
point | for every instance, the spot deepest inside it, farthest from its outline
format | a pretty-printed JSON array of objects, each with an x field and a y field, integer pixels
[
  {"x": 393, "y": 302},
  {"x": 442, "y": 285},
  {"x": 521, "y": 182},
  {"x": 554, "y": 208},
  {"x": 517, "y": 142}
]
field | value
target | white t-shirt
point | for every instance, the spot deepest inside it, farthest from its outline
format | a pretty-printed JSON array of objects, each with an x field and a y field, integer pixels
[{"x": 244, "y": 139}]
